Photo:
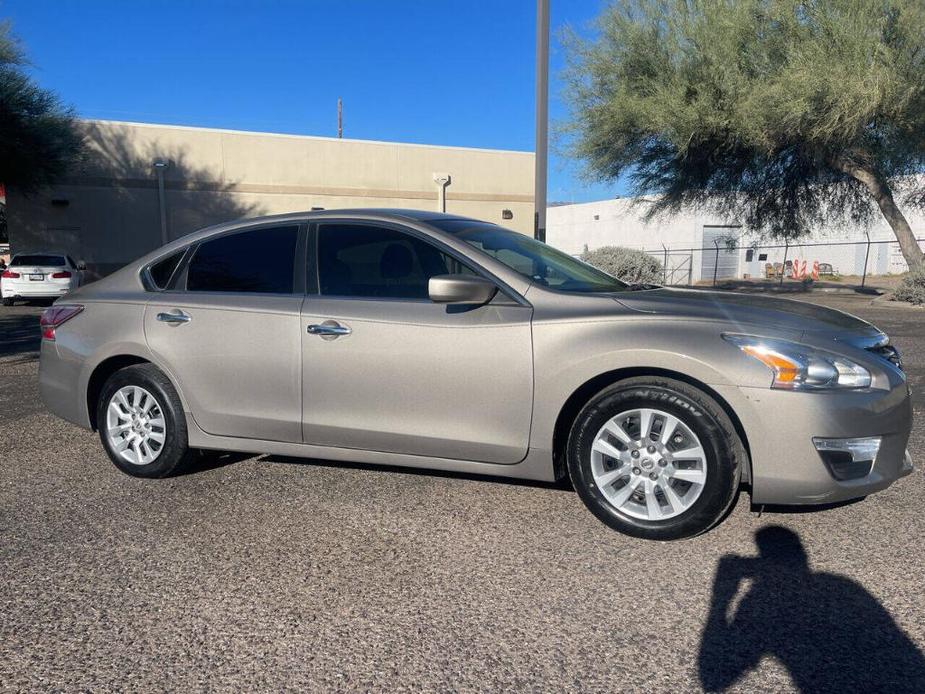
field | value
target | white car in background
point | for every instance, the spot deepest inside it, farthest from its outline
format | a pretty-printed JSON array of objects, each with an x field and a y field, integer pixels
[{"x": 40, "y": 276}]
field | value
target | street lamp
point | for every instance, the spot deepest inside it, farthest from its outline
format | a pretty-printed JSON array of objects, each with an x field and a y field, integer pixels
[{"x": 161, "y": 165}]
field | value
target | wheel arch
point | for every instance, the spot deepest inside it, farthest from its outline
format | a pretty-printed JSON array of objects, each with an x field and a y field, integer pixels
[
  {"x": 581, "y": 395},
  {"x": 101, "y": 373}
]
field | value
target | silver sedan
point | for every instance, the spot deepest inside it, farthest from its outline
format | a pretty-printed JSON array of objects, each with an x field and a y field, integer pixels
[{"x": 426, "y": 340}]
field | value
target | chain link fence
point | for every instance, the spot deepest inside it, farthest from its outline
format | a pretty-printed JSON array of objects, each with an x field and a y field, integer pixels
[{"x": 731, "y": 259}]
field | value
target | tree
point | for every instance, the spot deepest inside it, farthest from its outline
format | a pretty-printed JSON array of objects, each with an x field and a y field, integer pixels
[
  {"x": 783, "y": 112},
  {"x": 39, "y": 137}
]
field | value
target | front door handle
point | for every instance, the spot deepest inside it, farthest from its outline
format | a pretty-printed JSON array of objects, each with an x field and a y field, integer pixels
[
  {"x": 329, "y": 328},
  {"x": 174, "y": 317}
]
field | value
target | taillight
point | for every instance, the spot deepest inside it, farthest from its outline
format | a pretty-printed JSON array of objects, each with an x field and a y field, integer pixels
[
  {"x": 10, "y": 275},
  {"x": 55, "y": 316},
  {"x": 63, "y": 275}
]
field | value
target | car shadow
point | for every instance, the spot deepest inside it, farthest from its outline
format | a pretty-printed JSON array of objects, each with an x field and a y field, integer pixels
[
  {"x": 825, "y": 629},
  {"x": 794, "y": 509},
  {"x": 205, "y": 460},
  {"x": 561, "y": 485},
  {"x": 19, "y": 334}
]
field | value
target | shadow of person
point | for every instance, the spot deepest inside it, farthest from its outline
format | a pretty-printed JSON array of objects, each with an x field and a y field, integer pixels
[{"x": 827, "y": 630}]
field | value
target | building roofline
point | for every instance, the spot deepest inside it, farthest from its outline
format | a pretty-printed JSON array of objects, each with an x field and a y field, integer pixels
[
  {"x": 261, "y": 133},
  {"x": 384, "y": 213}
]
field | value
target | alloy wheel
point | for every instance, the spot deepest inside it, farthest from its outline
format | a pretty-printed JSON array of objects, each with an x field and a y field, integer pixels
[
  {"x": 135, "y": 425},
  {"x": 648, "y": 464}
]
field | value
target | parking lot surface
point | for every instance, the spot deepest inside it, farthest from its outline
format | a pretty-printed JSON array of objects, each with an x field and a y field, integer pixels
[{"x": 268, "y": 573}]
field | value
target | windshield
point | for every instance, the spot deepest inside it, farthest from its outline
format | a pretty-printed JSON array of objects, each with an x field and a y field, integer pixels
[
  {"x": 46, "y": 260},
  {"x": 533, "y": 259}
]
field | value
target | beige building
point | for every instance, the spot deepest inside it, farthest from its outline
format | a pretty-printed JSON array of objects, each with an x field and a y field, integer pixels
[{"x": 112, "y": 209}]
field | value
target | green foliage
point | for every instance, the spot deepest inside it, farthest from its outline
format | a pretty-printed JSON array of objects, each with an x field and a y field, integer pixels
[
  {"x": 756, "y": 108},
  {"x": 627, "y": 264},
  {"x": 912, "y": 288},
  {"x": 39, "y": 138}
]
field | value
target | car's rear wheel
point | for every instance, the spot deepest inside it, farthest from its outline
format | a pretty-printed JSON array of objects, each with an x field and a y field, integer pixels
[
  {"x": 7, "y": 301},
  {"x": 141, "y": 423},
  {"x": 655, "y": 458}
]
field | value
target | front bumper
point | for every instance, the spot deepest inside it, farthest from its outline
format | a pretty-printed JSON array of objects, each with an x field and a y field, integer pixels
[{"x": 780, "y": 427}]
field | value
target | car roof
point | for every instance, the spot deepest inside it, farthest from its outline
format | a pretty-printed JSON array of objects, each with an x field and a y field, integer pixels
[
  {"x": 382, "y": 212},
  {"x": 360, "y": 213}
]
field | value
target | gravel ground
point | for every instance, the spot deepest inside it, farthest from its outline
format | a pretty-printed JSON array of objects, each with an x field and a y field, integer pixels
[{"x": 266, "y": 573}]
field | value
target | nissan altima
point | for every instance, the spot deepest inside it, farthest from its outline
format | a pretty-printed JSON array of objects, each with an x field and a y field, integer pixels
[{"x": 426, "y": 340}]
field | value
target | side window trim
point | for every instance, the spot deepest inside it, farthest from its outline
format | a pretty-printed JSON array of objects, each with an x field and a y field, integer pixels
[
  {"x": 503, "y": 288},
  {"x": 312, "y": 274},
  {"x": 180, "y": 270}
]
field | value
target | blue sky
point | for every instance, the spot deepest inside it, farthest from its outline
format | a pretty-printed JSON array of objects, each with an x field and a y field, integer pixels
[{"x": 452, "y": 73}]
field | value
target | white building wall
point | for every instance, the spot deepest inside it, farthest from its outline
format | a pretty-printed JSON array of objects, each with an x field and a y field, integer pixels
[{"x": 619, "y": 222}]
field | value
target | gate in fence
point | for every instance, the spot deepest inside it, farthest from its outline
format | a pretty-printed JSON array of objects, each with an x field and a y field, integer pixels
[
  {"x": 677, "y": 266},
  {"x": 720, "y": 258}
]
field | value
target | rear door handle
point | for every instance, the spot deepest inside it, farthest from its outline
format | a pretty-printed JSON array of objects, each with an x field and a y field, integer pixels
[
  {"x": 329, "y": 329},
  {"x": 174, "y": 317}
]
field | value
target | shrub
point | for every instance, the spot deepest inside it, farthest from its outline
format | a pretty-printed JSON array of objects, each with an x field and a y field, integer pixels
[
  {"x": 912, "y": 288},
  {"x": 627, "y": 264}
]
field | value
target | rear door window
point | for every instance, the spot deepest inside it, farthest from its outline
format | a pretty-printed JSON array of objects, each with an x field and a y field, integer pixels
[{"x": 259, "y": 261}]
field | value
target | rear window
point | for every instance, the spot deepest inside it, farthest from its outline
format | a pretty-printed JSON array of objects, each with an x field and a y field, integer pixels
[{"x": 46, "y": 260}]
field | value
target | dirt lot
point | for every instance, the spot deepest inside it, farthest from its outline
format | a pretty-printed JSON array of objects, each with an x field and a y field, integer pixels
[{"x": 270, "y": 573}]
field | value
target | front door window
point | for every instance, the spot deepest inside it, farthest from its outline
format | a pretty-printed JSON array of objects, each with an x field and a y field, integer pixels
[{"x": 369, "y": 262}]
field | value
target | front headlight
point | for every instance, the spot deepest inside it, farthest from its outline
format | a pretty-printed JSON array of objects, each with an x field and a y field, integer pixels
[{"x": 800, "y": 367}]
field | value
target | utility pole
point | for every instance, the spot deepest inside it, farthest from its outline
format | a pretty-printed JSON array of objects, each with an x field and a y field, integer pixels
[
  {"x": 340, "y": 118},
  {"x": 542, "y": 119}
]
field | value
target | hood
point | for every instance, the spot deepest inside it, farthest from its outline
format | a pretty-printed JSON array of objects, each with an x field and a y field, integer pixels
[{"x": 748, "y": 312}]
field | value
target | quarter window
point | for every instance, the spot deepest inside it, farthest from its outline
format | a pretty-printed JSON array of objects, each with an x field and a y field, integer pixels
[
  {"x": 360, "y": 260},
  {"x": 162, "y": 270},
  {"x": 258, "y": 261}
]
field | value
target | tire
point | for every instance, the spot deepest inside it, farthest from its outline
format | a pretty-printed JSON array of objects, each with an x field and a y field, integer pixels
[
  {"x": 149, "y": 394},
  {"x": 7, "y": 301},
  {"x": 685, "y": 479}
]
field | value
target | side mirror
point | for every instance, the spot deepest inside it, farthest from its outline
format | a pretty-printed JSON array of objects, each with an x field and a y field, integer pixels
[
  {"x": 460, "y": 289},
  {"x": 81, "y": 265}
]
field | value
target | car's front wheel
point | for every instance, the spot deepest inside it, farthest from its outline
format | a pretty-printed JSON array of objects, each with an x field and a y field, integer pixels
[
  {"x": 141, "y": 423},
  {"x": 655, "y": 458}
]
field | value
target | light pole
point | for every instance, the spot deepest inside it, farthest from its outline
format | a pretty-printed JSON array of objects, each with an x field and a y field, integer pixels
[
  {"x": 160, "y": 166},
  {"x": 542, "y": 119}
]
